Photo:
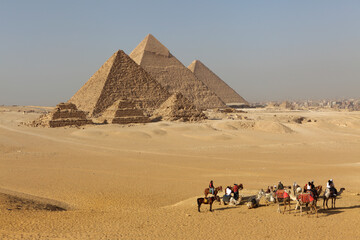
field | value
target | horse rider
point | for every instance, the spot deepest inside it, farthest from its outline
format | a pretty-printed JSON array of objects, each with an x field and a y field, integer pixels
[
  {"x": 211, "y": 187},
  {"x": 280, "y": 186},
  {"x": 330, "y": 185},
  {"x": 236, "y": 191}
]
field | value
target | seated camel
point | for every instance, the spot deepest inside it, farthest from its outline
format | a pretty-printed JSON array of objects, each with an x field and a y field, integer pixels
[{"x": 254, "y": 201}]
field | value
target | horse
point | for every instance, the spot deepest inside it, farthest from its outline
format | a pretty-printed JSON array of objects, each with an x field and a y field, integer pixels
[
  {"x": 216, "y": 190},
  {"x": 209, "y": 200}
]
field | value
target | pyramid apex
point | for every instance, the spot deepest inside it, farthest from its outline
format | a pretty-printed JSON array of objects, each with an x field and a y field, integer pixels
[
  {"x": 150, "y": 44},
  {"x": 194, "y": 64}
]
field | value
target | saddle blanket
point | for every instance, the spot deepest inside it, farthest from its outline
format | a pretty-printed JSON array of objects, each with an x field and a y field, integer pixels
[
  {"x": 305, "y": 198},
  {"x": 282, "y": 194}
]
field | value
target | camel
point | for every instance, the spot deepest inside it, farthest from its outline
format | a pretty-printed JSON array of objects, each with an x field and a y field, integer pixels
[
  {"x": 328, "y": 194},
  {"x": 216, "y": 190},
  {"x": 283, "y": 196},
  {"x": 254, "y": 201},
  {"x": 306, "y": 199},
  {"x": 270, "y": 197}
]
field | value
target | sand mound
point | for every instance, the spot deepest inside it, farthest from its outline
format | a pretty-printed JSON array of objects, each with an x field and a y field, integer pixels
[
  {"x": 15, "y": 203},
  {"x": 214, "y": 83},
  {"x": 119, "y": 78},
  {"x": 270, "y": 126},
  {"x": 178, "y": 108},
  {"x": 156, "y": 59},
  {"x": 65, "y": 114}
]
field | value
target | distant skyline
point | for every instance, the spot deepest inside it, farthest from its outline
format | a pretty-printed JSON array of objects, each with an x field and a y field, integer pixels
[{"x": 265, "y": 50}]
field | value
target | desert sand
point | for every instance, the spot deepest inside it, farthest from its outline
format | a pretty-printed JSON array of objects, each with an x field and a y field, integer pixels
[{"x": 141, "y": 181}]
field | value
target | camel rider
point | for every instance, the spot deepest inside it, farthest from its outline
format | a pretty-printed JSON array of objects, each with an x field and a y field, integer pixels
[
  {"x": 211, "y": 187},
  {"x": 228, "y": 191},
  {"x": 311, "y": 188},
  {"x": 236, "y": 191},
  {"x": 330, "y": 185},
  {"x": 280, "y": 186}
]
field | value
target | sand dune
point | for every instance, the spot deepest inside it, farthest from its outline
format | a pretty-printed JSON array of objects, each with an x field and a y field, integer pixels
[{"x": 141, "y": 181}]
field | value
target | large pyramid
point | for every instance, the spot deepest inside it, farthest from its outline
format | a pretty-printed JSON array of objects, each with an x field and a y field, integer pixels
[
  {"x": 119, "y": 78},
  {"x": 156, "y": 59},
  {"x": 224, "y": 91}
]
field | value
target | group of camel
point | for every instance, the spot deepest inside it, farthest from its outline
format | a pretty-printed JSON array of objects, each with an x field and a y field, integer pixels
[{"x": 301, "y": 196}]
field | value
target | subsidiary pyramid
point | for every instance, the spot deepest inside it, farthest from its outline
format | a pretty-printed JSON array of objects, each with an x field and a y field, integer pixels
[
  {"x": 156, "y": 59},
  {"x": 124, "y": 111},
  {"x": 119, "y": 78},
  {"x": 65, "y": 114},
  {"x": 224, "y": 91},
  {"x": 178, "y": 108}
]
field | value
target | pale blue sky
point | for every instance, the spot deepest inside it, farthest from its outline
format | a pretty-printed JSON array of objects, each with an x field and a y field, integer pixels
[{"x": 265, "y": 50}]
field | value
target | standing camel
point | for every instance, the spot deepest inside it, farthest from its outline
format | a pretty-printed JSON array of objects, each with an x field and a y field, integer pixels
[
  {"x": 306, "y": 199},
  {"x": 283, "y": 196},
  {"x": 329, "y": 194}
]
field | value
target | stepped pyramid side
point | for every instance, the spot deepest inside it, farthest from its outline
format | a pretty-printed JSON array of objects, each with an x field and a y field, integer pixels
[
  {"x": 179, "y": 108},
  {"x": 65, "y": 114},
  {"x": 87, "y": 96},
  {"x": 172, "y": 74},
  {"x": 216, "y": 84},
  {"x": 124, "y": 79},
  {"x": 124, "y": 111}
]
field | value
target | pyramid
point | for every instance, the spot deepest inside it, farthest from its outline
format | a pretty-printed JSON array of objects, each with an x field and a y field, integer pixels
[
  {"x": 65, "y": 114},
  {"x": 179, "y": 108},
  {"x": 118, "y": 78},
  {"x": 224, "y": 91},
  {"x": 156, "y": 59},
  {"x": 124, "y": 111}
]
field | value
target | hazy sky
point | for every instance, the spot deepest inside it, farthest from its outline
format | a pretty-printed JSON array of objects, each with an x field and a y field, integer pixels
[{"x": 265, "y": 50}]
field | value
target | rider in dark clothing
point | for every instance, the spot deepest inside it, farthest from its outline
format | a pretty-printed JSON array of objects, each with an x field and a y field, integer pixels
[{"x": 280, "y": 186}]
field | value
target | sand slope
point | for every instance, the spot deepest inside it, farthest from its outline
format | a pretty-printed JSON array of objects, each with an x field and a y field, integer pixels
[{"x": 141, "y": 181}]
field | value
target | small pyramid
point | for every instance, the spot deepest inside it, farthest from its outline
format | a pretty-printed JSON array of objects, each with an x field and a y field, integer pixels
[
  {"x": 65, "y": 114},
  {"x": 179, "y": 108},
  {"x": 224, "y": 91},
  {"x": 119, "y": 78},
  {"x": 124, "y": 111},
  {"x": 156, "y": 59}
]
